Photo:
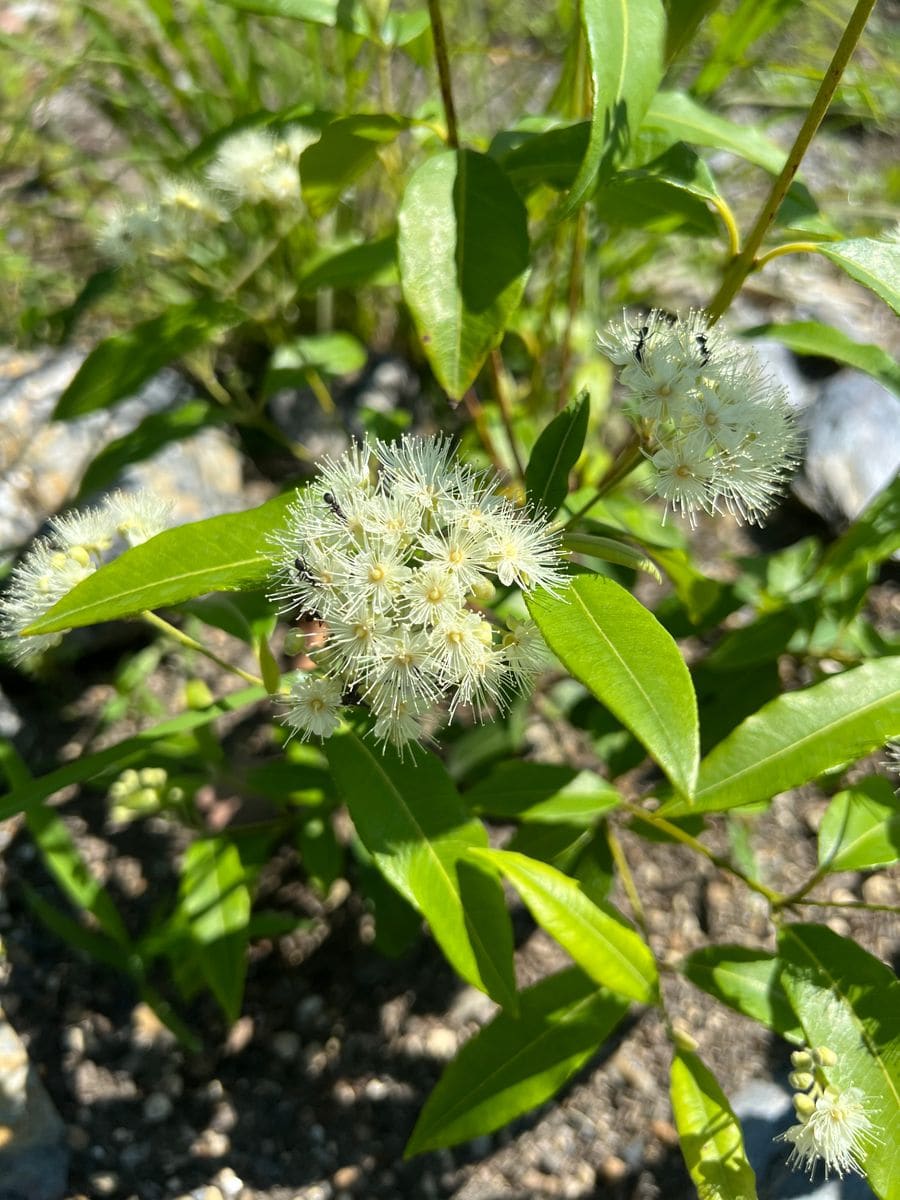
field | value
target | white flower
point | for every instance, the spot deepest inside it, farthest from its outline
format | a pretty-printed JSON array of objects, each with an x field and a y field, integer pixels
[
  {"x": 77, "y": 544},
  {"x": 190, "y": 202},
  {"x": 132, "y": 232},
  {"x": 524, "y": 650},
  {"x": 717, "y": 430},
  {"x": 252, "y": 166},
  {"x": 138, "y": 516},
  {"x": 837, "y": 1132},
  {"x": 393, "y": 548},
  {"x": 315, "y": 705}
]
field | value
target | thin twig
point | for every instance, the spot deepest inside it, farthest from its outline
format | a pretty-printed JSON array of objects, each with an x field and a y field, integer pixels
[
  {"x": 498, "y": 380},
  {"x": 442, "y": 59},
  {"x": 746, "y": 261},
  {"x": 192, "y": 644}
]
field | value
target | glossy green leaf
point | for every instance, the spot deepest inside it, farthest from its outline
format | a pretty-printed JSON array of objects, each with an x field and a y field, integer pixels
[
  {"x": 215, "y": 902},
  {"x": 710, "y": 1134},
  {"x": 346, "y": 148},
  {"x": 544, "y": 793},
  {"x": 463, "y": 252},
  {"x": 748, "y": 981},
  {"x": 814, "y": 338},
  {"x": 850, "y": 1002},
  {"x": 220, "y": 554},
  {"x": 872, "y": 538},
  {"x": 861, "y": 827},
  {"x": 515, "y": 1063},
  {"x": 611, "y": 550},
  {"x": 552, "y": 157},
  {"x": 873, "y": 263},
  {"x": 598, "y": 939},
  {"x": 555, "y": 453},
  {"x": 328, "y": 353},
  {"x": 120, "y": 364},
  {"x": 411, "y": 820},
  {"x": 799, "y": 735},
  {"x": 626, "y": 42},
  {"x": 619, "y": 650},
  {"x": 684, "y": 120}
]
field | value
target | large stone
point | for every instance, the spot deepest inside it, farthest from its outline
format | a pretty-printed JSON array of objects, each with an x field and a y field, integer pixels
[{"x": 34, "y": 1157}]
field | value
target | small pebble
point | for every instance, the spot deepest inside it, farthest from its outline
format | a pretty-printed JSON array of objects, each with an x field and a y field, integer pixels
[
  {"x": 240, "y": 1035},
  {"x": 105, "y": 1184},
  {"x": 157, "y": 1107},
  {"x": 613, "y": 1168},
  {"x": 376, "y": 1089},
  {"x": 346, "y": 1177},
  {"x": 211, "y": 1144},
  {"x": 228, "y": 1183},
  {"x": 441, "y": 1043},
  {"x": 286, "y": 1044}
]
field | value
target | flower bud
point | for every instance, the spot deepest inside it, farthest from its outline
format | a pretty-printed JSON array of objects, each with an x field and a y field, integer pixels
[
  {"x": 801, "y": 1081},
  {"x": 294, "y": 642},
  {"x": 802, "y": 1060},
  {"x": 825, "y": 1057},
  {"x": 804, "y": 1106}
]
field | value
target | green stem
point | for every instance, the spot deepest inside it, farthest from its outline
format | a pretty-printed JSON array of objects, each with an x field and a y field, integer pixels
[
  {"x": 787, "y": 248},
  {"x": 723, "y": 208},
  {"x": 746, "y": 261},
  {"x": 498, "y": 379},
  {"x": 623, "y": 464},
  {"x": 634, "y": 899},
  {"x": 192, "y": 644},
  {"x": 676, "y": 832},
  {"x": 576, "y": 290},
  {"x": 891, "y": 908},
  {"x": 442, "y": 58}
]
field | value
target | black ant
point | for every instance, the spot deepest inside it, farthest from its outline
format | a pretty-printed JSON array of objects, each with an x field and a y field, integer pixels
[
  {"x": 641, "y": 343},
  {"x": 704, "y": 348},
  {"x": 334, "y": 506},
  {"x": 303, "y": 572}
]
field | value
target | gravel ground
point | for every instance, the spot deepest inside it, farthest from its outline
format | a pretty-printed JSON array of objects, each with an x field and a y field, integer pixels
[{"x": 313, "y": 1093}]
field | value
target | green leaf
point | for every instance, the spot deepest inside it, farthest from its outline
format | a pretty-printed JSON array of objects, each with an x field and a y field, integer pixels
[
  {"x": 353, "y": 266},
  {"x": 552, "y": 157},
  {"x": 611, "y": 550},
  {"x": 121, "y": 754},
  {"x": 463, "y": 253},
  {"x": 798, "y": 736},
  {"x": 215, "y": 902},
  {"x": 737, "y": 31},
  {"x": 120, "y": 364},
  {"x": 515, "y": 1063},
  {"x": 626, "y": 40},
  {"x": 873, "y": 537},
  {"x": 598, "y": 939},
  {"x": 411, "y": 820},
  {"x": 155, "y": 431},
  {"x": 684, "y": 120},
  {"x": 850, "y": 1002},
  {"x": 748, "y": 981},
  {"x": 823, "y": 341},
  {"x": 555, "y": 453},
  {"x": 329, "y": 353},
  {"x": 711, "y": 1138},
  {"x": 621, "y": 652},
  {"x": 861, "y": 827},
  {"x": 341, "y": 14},
  {"x": 347, "y": 148},
  {"x": 220, "y": 554},
  {"x": 543, "y": 793},
  {"x": 873, "y": 263},
  {"x": 684, "y": 16}
]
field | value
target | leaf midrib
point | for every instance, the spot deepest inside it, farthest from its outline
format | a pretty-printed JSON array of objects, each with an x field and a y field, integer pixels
[
  {"x": 728, "y": 780},
  {"x": 423, "y": 839}
]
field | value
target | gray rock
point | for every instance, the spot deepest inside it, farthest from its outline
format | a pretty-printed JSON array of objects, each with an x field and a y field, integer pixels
[
  {"x": 34, "y": 1157},
  {"x": 852, "y": 446}
]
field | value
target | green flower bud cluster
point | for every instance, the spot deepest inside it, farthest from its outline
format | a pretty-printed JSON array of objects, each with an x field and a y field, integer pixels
[{"x": 141, "y": 793}]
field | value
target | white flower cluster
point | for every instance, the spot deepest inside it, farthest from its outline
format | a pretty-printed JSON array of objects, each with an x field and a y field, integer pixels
[
  {"x": 717, "y": 429},
  {"x": 833, "y": 1123},
  {"x": 393, "y": 549},
  {"x": 78, "y": 543},
  {"x": 254, "y": 166}
]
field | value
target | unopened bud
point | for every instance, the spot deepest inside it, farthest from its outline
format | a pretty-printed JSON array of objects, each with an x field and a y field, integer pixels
[
  {"x": 801, "y": 1081},
  {"x": 804, "y": 1106},
  {"x": 684, "y": 1041},
  {"x": 483, "y": 591},
  {"x": 826, "y": 1057},
  {"x": 294, "y": 642},
  {"x": 802, "y": 1060}
]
